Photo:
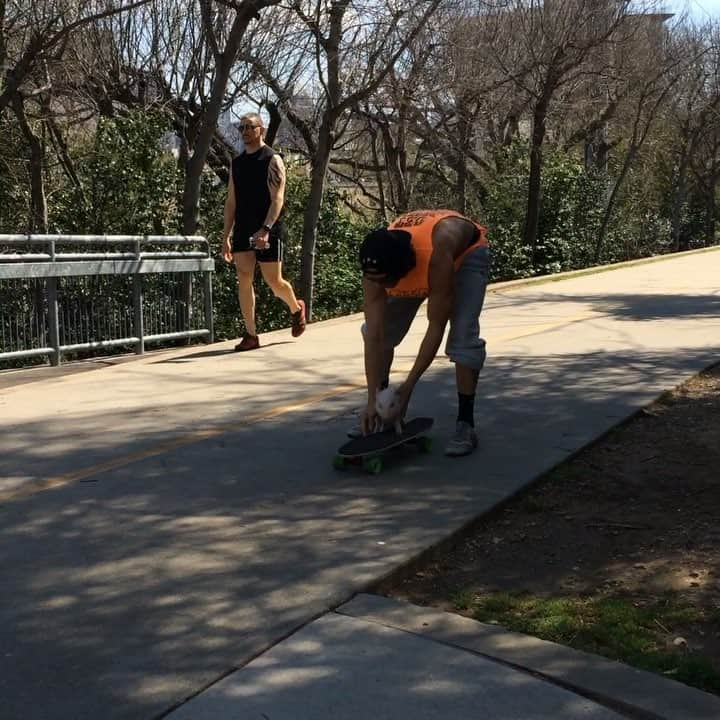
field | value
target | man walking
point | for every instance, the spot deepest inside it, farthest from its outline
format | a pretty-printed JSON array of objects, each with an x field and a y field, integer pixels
[
  {"x": 443, "y": 257},
  {"x": 252, "y": 231}
]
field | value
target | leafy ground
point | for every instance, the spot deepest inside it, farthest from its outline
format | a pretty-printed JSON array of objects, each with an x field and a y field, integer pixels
[{"x": 616, "y": 551}]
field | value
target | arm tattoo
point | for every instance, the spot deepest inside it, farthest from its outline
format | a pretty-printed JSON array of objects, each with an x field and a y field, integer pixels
[{"x": 276, "y": 175}]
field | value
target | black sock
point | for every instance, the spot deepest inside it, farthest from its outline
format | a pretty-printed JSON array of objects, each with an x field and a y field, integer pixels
[{"x": 466, "y": 409}]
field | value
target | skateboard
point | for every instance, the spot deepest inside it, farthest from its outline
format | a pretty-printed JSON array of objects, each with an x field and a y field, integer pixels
[{"x": 368, "y": 450}]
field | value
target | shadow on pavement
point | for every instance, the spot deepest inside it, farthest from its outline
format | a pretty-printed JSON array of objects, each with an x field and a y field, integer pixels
[
  {"x": 217, "y": 353},
  {"x": 126, "y": 595},
  {"x": 624, "y": 306}
]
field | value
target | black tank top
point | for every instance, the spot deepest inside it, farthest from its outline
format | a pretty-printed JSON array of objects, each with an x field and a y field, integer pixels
[{"x": 252, "y": 196}]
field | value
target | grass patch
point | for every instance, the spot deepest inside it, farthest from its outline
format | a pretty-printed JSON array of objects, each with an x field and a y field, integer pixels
[
  {"x": 666, "y": 399},
  {"x": 462, "y": 599},
  {"x": 613, "y": 627}
]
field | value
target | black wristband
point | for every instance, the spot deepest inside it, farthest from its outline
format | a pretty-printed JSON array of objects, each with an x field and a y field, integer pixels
[{"x": 267, "y": 227}]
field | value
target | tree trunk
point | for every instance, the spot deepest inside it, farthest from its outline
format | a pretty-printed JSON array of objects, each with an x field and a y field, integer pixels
[
  {"x": 532, "y": 217},
  {"x": 320, "y": 163},
  {"x": 38, "y": 215},
  {"x": 378, "y": 171},
  {"x": 461, "y": 184},
  {"x": 61, "y": 150},
  {"x": 691, "y": 138},
  {"x": 610, "y": 205},
  {"x": 394, "y": 164},
  {"x": 196, "y": 161},
  {"x": 710, "y": 212},
  {"x": 208, "y": 123},
  {"x": 335, "y": 107},
  {"x": 678, "y": 200},
  {"x": 275, "y": 122}
]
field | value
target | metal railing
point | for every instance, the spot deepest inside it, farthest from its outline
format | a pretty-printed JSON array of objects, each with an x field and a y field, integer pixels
[{"x": 63, "y": 294}]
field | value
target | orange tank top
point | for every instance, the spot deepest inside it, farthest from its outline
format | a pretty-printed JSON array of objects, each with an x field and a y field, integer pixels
[{"x": 420, "y": 225}]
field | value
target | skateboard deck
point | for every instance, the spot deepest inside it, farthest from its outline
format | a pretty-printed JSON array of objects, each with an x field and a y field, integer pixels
[{"x": 368, "y": 450}]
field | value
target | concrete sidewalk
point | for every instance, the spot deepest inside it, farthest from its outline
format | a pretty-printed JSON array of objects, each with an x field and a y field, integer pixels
[
  {"x": 380, "y": 658},
  {"x": 164, "y": 521}
]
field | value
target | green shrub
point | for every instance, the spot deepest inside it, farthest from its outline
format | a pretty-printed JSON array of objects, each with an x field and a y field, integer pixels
[{"x": 129, "y": 183}]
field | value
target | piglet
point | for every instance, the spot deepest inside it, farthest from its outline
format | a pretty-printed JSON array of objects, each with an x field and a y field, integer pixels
[{"x": 387, "y": 404}]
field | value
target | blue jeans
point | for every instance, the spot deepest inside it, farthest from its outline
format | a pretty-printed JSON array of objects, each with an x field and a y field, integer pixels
[{"x": 464, "y": 344}]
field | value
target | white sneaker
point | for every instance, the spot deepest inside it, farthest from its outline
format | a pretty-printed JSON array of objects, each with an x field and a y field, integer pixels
[{"x": 463, "y": 442}]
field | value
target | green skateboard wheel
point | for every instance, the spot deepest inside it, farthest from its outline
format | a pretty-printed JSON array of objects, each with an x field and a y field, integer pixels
[{"x": 373, "y": 465}]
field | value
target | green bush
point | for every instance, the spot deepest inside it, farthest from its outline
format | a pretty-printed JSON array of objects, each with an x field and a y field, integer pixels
[
  {"x": 503, "y": 212},
  {"x": 14, "y": 180},
  {"x": 129, "y": 183},
  {"x": 571, "y": 213}
]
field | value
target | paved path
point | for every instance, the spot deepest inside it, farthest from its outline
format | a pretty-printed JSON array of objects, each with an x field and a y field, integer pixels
[{"x": 164, "y": 520}]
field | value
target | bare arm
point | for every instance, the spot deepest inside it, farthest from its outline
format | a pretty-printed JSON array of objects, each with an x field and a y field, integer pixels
[
  {"x": 374, "y": 344},
  {"x": 229, "y": 221},
  {"x": 440, "y": 299},
  {"x": 374, "y": 307},
  {"x": 229, "y": 209},
  {"x": 276, "y": 185}
]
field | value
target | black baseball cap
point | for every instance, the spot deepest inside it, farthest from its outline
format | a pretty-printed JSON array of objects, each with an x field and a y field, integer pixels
[{"x": 387, "y": 252}]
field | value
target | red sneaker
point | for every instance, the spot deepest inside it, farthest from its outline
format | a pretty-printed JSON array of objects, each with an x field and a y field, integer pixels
[
  {"x": 249, "y": 342},
  {"x": 298, "y": 320}
]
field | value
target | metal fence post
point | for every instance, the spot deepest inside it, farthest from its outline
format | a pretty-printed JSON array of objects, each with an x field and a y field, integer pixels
[
  {"x": 139, "y": 322},
  {"x": 139, "y": 319},
  {"x": 186, "y": 307},
  {"x": 54, "y": 320},
  {"x": 207, "y": 296}
]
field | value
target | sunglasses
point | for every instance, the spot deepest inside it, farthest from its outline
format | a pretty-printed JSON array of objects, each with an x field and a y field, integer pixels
[{"x": 247, "y": 126}]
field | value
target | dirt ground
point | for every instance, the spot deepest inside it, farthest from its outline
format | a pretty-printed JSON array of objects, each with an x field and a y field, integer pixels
[{"x": 636, "y": 515}]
